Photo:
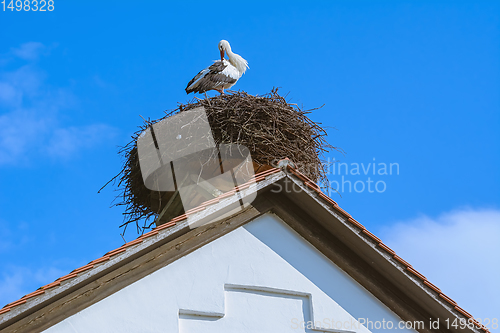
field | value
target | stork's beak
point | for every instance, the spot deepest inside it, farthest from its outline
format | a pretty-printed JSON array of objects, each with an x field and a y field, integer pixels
[{"x": 221, "y": 55}]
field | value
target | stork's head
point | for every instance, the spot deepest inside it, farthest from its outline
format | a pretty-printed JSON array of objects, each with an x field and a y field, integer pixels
[{"x": 223, "y": 46}]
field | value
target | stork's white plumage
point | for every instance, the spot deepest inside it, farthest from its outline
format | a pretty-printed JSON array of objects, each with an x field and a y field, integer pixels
[{"x": 222, "y": 74}]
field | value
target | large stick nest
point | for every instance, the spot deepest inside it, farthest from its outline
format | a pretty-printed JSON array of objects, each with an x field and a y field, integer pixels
[{"x": 269, "y": 126}]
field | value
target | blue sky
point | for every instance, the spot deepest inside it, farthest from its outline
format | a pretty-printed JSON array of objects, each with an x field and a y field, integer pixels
[{"x": 415, "y": 83}]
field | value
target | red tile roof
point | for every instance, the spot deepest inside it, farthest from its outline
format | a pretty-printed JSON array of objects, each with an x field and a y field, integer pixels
[{"x": 258, "y": 177}]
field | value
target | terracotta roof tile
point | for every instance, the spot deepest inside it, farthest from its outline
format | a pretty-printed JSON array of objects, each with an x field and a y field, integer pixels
[
  {"x": 176, "y": 219},
  {"x": 341, "y": 211},
  {"x": 311, "y": 185},
  {"x": 165, "y": 225},
  {"x": 265, "y": 173},
  {"x": 398, "y": 258},
  {"x": 51, "y": 285},
  {"x": 432, "y": 286},
  {"x": 478, "y": 325},
  {"x": 372, "y": 236},
  {"x": 33, "y": 294},
  {"x": 227, "y": 194},
  {"x": 101, "y": 259},
  {"x": 414, "y": 272},
  {"x": 115, "y": 251},
  {"x": 18, "y": 302},
  {"x": 244, "y": 186},
  {"x": 465, "y": 313},
  {"x": 83, "y": 268},
  {"x": 304, "y": 178},
  {"x": 325, "y": 197},
  {"x": 195, "y": 210},
  {"x": 259, "y": 178},
  {"x": 356, "y": 223},
  {"x": 386, "y": 248},
  {"x": 149, "y": 234},
  {"x": 447, "y": 299},
  {"x": 135, "y": 241},
  {"x": 68, "y": 276}
]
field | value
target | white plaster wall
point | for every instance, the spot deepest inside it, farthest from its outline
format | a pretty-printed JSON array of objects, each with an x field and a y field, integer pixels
[{"x": 262, "y": 277}]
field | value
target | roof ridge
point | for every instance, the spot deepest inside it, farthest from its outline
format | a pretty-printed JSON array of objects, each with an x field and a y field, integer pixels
[{"x": 258, "y": 177}]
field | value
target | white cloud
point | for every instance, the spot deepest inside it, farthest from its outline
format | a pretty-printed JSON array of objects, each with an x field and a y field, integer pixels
[
  {"x": 12, "y": 237},
  {"x": 29, "y": 51},
  {"x": 8, "y": 94},
  {"x": 459, "y": 252},
  {"x": 17, "y": 281},
  {"x": 21, "y": 84},
  {"x": 20, "y": 132},
  {"x": 66, "y": 141},
  {"x": 30, "y": 115}
]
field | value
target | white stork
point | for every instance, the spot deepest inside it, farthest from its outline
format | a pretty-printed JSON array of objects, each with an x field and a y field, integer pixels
[{"x": 221, "y": 74}]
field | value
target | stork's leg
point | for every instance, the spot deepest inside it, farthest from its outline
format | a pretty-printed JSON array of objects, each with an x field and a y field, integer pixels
[{"x": 221, "y": 90}]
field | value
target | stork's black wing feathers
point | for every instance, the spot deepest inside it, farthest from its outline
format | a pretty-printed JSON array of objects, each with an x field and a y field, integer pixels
[{"x": 209, "y": 78}]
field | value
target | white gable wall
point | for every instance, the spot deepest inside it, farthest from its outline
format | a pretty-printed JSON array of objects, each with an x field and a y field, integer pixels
[{"x": 262, "y": 277}]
